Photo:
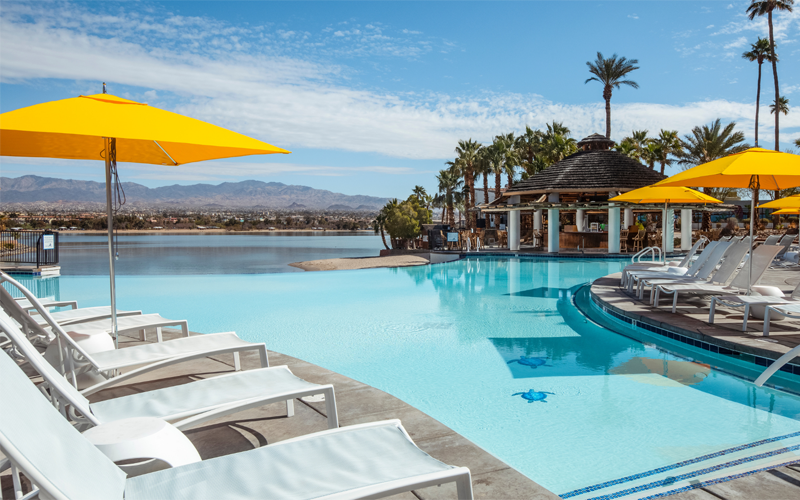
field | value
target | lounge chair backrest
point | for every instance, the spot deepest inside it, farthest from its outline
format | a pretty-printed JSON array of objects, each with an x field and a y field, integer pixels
[
  {"x": 733, "y": 257},
  {"x": 762, "y": 259},
  {"x": 716, "y": 256},
  {"x": 785, "y": 243},
  {"x": 55, "y": 380},
  {"x": 691, "y": 253},
  {"x": 772, "y": 239},
  {"x": 702, "y": 258},
  {"x": 51, "y": 453},
  {"x": 13, "y": 309}
]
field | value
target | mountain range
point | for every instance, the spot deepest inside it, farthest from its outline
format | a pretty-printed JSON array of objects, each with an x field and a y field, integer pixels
[{"x": 244, "y": 194}]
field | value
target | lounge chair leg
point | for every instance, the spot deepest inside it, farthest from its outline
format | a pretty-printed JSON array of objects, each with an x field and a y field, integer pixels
[
  {"x": 766, "y": 322},
  {"x": 464, "y": 487},
  {"x": 330, "y": 409},
  {"x": 159, "y": 335},
  {"x": 143, "y": 335},
  {"x": 675, "y": 303},
  {"x": 711, "y": 311},
  {"x": 237, "y": 363},
  {"x": 746, "y": 316},
  {"x": 290, "y": 407},
  {"x": 654, "y": 296}
]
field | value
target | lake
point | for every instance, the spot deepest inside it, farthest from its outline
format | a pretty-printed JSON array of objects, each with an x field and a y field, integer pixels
[{"x": 209, "y": 253}]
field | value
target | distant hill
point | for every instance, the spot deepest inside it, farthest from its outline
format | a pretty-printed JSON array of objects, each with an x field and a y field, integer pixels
[
  {"x": 245, "y": 194},
  {"x": 340, "y": 207}
]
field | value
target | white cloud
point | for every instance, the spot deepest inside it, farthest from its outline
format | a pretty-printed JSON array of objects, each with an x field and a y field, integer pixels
[
  {"x": 709, "y": 26},
  {"x": 633, "y": 16},
  {"x": 790, "y": 89},
  {"x": 295, "y": 103},
  {"x": 410, "y": 32},
  {"x": 739, "y": 42}
]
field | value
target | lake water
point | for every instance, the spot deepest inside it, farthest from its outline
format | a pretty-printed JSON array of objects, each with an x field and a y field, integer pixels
[{"x": 208, "y": 253}]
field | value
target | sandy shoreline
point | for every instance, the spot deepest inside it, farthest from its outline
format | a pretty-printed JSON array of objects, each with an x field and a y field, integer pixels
[{"x": 362, "y": 263}]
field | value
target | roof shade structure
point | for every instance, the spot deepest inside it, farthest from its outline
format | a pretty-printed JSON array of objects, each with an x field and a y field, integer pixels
[{"x": 595, "y": 169}]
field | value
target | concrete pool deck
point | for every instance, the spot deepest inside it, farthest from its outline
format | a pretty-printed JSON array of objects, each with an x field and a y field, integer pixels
[
  {"x": 357, "y": 403},
  {"x": 691, "y": 320}
]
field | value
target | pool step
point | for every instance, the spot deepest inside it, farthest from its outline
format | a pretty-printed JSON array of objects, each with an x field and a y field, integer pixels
[{"x": 715, "y": 467}]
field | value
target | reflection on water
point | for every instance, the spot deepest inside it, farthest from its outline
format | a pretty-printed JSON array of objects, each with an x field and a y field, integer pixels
[{"x": 170, "y": 254}]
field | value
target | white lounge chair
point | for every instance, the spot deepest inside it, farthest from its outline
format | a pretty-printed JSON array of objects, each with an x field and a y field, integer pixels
[
  {"x": 48, "y": 303},
  {"x": 748, "y": 301},
  {"x": 362, "y": 461},
  {"x": 708, "y": 275},
  {"x": 73, "y": 360},
  {"x": 186, "y": 405},
  {"x": 656, "y": 266},
  {"x": 785, "y": 243},
  {"x": 632, "y": 277},
  {"x": 702, "y": 272},
  {"x": 762, "y": 257}
]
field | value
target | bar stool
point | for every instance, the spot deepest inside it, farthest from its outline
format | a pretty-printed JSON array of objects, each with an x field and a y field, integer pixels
[
  {"x": 638, "y": 240},
  {"x": 623, "y": 240}
]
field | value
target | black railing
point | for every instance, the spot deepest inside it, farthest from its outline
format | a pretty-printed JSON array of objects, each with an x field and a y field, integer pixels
[{"x": 29, "y": 247}]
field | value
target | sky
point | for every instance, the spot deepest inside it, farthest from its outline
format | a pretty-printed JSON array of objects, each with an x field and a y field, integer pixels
[{"x": 372, "y": 97}]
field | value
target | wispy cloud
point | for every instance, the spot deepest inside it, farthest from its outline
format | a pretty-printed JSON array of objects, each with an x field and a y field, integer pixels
[
  {"x": 739, "y": 42},
  {"x": 192, "y": 66},
  {"x": 633, "y": 16}
]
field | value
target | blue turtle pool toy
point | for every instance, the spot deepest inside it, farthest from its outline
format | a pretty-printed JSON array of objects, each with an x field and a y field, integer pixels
[
  {"x": 533, "y": 396},
  {"x": 532, "y": 362}
]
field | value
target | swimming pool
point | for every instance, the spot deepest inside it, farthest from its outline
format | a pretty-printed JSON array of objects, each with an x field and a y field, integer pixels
[{"x": 461, "y": 341}]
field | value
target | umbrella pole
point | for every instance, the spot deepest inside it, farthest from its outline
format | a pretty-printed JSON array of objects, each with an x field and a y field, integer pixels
[
  {"x": 664, "y": 232},
  {"x": 752, "y": 239},
  {"x": 109, "y": 144}
]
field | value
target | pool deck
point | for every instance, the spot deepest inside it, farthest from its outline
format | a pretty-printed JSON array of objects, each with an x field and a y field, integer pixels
[
  {"x": 691, "y": 320},
  {"x": 357, "y": 403}
]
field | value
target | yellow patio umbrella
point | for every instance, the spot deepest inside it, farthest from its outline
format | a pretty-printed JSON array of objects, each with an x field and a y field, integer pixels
[
  {"x": 110, "y": 128},
  {"x": 786, "y": 211},
  {"x": 792, "y": 202},
  {"x": 755, "y": 168},
  {"x": 665, "y": 195}
]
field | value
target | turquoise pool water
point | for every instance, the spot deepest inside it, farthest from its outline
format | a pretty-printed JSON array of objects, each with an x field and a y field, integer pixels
[{"x": 444, "y": 338}]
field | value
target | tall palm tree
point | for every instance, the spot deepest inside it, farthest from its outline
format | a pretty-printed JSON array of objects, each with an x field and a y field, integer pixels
[
  {"x": 557, "y": 147},
  {"x": 627, "y": 148},
  {"x": 450, "y": 183},
  {"x": 670, "y": 144},
  {"x": 528, "y": 145},
  {"x": 706, "y": 144},
  {"x": 484, "y": 170},
  {"x": 467, "y": 152},
  {"x": 782, "y": 106},
  {"x": 419, "y": 192},
  {"x": 797, "y": 142},
  {"x": 759, "y": 8},
  {"x": 651, "y": 153},
  {"x": 759, "y": 52},
  {"x": 379, "y": 224},
  {"x": 611, "y": 73}
]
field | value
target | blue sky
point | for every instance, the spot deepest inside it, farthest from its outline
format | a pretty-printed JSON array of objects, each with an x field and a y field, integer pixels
[{"x": 371, "y": 97}]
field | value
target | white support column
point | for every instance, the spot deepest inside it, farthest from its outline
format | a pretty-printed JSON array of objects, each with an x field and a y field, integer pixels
[
  {"x": 537, "y": 220},
  {"x": 513, "y": 225},
  {"x": 579, "y": 215},
  {"x": 552, "y": 225},
  {"x": 686, "y": 229},
  {"x": 613, "y": 230},
  {"x": 669, "y": 242},
  {"x": 628, "y": 217}
]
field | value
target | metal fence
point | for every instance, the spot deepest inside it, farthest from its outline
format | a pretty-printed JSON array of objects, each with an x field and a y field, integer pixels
[{"x": 29, "y": 247}]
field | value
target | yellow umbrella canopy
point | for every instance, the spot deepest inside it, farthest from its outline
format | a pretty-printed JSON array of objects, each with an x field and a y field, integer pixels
[
  {"x": 792, "y": 202},
  {"x": 75, "y": 128},
  {"x": 664, "y": 194},
  {"x": 110, "y": 128},
  {"x": 786, "y": 211},
  {"x": 774, "y": 170}
]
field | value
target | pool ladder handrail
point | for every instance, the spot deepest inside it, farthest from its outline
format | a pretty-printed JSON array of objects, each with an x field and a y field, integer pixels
[
  {"x": 637, "y": 257},
  {"x": 776, "y": 365}
]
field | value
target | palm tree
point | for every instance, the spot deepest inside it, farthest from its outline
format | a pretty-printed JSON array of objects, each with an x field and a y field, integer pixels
[
  {"x": 759, "y": 8},
  {"x": 467, "y": 152},
  {"x": 379, "y": 224},
  {"x": 610, "y": 72},
  {"x": 484, "y": 169},
  {"x": 781, "y": 107},
  {"x": 639, "y": 141},
  {"x": 797, "y": 142},
  {"x": 528, "y": 145},
  {"x": 419, "y": 192},
  {"x": 759, "y": 52},
  {"x": 450, "y": 183},
  {"x": 670, "y": 144},
  {"x": 706, "y": 144},
  {"x": 556, "y": 143},
  {"x": 652, "y": 153},
  {"x": 627, "y": 148}
]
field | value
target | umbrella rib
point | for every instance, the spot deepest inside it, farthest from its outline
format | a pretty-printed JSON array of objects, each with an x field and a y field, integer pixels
[{"x": 165, "y": 152}]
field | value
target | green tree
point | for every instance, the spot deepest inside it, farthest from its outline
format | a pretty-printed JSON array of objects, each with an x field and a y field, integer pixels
[
  {"x": 759, "y": 52},
  {"x": 669, "y": 145},
  {"x": 708, "y": 143},
  {"x": 651, "y": 154},
  {"x": 379, "y": 224},
  {"x": 760, "y": 8},
  {"x": 611, "y": 73},
  {"x": 404, "y": 221},
  {"x": 639, "y": 140},
  {"x": 528, "y": 146},
  {"x": 450, "y": 184},
  {"x": 467, "y": 153},
  {"x": 797, "y": 142}
]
